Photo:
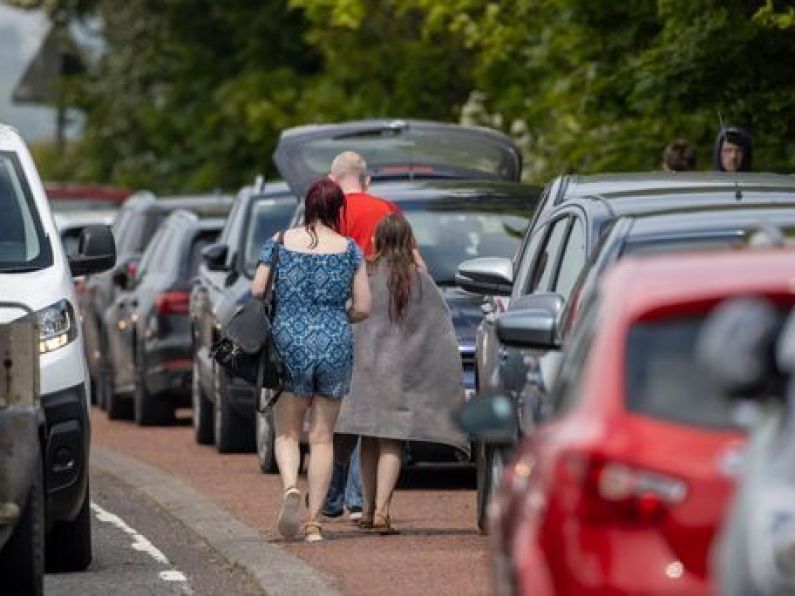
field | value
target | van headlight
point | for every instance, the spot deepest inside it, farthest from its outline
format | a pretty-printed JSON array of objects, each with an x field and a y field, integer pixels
[{"x": 57, "y": 326}]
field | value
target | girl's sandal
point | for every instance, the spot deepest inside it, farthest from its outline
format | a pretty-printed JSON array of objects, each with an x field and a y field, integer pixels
[
  {"x": 382, "y": 524},
  {"x": 313, "y": 532},
  {"x": 289, "y": 523},
  {"x": 365, "y": 522}
]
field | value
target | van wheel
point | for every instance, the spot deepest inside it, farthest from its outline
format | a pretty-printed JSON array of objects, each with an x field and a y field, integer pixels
[
  {"x": 202, "y": 411},
  {"x": 266, "y": 455},
  {"x": 233, "y": 434},
  {"x": 22, "y": 559},
  {"x": 69, "y": 543},
  {"x": 489, "y": 467},
  {"x": 151, "y": 410}
]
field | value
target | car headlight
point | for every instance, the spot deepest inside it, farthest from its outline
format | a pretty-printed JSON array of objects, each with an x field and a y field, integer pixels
[{"x": 57, "y": 326}]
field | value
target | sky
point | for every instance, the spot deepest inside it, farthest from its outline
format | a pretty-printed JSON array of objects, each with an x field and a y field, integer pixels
[{"x": 21, "y": 33}]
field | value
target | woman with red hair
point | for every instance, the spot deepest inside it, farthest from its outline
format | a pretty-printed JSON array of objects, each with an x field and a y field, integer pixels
[{"x": 319, "y": 273}]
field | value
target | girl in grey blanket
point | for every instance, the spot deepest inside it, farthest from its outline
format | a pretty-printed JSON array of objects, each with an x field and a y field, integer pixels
[{"x": 407, "y": 370}]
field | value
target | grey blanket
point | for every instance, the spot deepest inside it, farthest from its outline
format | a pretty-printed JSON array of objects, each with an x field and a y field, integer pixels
[{"x": 407, "y": 376}]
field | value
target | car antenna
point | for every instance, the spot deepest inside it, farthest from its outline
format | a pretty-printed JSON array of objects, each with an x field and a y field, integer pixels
[{"x": 738, "y": 193}]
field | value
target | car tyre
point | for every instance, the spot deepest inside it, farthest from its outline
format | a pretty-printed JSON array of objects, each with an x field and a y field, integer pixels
[
  {"x": 22, "y": 558},
  {"x": 232, "y": 433},
  {"x": 118, "y": 407},
  {"x": 202, "y": 411},
  {"x": 489, "y": 465},
  {"x": 69, "y": 543},
  {"x": 266, "y": 436},
  {"x": 151, "y": 409}
]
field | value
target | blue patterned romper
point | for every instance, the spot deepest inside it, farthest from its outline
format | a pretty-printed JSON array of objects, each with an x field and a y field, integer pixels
[{"x": 310, "y": 322}]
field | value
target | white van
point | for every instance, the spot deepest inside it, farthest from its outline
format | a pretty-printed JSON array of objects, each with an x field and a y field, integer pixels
[{"x": 37, "y": 275}]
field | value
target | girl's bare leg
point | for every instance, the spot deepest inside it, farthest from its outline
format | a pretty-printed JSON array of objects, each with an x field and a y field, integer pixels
[
  {"x": 388, "y": 472},
  {"x": 368, "y": 469},
  {"x": 288, "y": 417}
]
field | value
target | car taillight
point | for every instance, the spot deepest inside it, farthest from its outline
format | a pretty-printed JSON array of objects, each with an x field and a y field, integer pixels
[
  {"x": 132, "y": 269},
  {"x": 602, "y": 490},
  {"x": 172, "y": 303}
]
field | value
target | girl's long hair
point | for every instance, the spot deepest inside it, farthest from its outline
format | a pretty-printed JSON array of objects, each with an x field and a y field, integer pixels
[
  {"x": 394, "y": 248},
  {"x": 324, "y": 203}
]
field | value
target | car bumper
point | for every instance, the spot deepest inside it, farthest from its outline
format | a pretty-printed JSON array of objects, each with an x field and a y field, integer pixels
[
  {"x": 66, "y": 457},
  {"x": 19, "y": 448}
]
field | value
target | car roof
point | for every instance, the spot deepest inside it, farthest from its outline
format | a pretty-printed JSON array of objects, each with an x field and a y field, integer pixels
[
  {"x": 616, "y": 185},
  {"x": 436, "y": 189},
  {"x": 739, "y": 215},
  {"x": 638, "y": 285}
]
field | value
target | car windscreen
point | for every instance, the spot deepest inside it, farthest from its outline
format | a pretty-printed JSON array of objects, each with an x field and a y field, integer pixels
[
  {"x": 266, "y": 217},
  {"x": 450, "y": 232},
  {"x": 23, "y": 244},
  {"x": 663, "y": 380}
]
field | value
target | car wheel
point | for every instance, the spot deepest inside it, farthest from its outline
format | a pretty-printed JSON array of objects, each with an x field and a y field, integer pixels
[
  {"x": 232, "y": 433},
  {"x": 151, "y": 410},
  {"x": 22, "y": 558},
  {"x": 202, "y": 411},
  {"x": 118, "y": 407},
  {"x": 69, "y": 543},
  {"x": 266, "y": 454},
  {"x": 489, "y": 466}
]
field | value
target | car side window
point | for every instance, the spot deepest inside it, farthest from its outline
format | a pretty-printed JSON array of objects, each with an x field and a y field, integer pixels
[
  {"x": 150, "y": 253},
  {"x": 574, "y": 257},
  {"x": 545, "y": 265},
  {"x": 526, "y": 260}
]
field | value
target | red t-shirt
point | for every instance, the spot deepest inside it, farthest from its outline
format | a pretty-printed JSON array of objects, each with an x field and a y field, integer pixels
[{"x": 360, "y": 217}]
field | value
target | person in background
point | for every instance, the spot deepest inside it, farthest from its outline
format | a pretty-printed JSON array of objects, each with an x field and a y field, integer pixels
[
  {"x": 312, "y": 331},
  {"x": 732, "y": 151},
  {"x": 679, "y": 156},
  {"x": 407, "y": 370}
]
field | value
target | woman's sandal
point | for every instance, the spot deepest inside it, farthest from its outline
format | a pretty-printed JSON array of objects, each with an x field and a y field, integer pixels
[
  {"x": 382, "y": 524},
  {"x": 313, "y": 532},
  {"x": 289, "y": 522}
]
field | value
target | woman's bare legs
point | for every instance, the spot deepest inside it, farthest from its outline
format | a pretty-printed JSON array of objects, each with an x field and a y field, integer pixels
[
  {"x": 368, "y": 469},
  {"x": 288, "y": 418},
  {"x": 388, "y": 472},
  {"x": 321, "y": 451}
]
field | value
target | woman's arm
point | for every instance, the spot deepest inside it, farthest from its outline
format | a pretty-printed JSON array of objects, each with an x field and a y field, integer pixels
[
  {"x": 360, "y": 307},
  {"x": 260, "y": 282},
  {"x": 418, "y": 261}
]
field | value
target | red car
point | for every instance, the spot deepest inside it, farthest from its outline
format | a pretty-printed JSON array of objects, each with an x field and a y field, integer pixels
[{"x": 622, "y": 488}]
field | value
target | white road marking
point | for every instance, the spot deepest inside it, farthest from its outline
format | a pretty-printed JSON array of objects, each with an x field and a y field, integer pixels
[{"x": 142, "y": 544}]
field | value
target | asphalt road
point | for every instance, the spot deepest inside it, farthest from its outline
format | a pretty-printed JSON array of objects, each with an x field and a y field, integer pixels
[
  {"x": 439, "y": 550},
  {"x": 139, "y": 549}
]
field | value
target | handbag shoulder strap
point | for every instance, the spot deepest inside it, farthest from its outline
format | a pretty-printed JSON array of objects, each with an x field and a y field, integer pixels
[{"x": 273, "y": 268}]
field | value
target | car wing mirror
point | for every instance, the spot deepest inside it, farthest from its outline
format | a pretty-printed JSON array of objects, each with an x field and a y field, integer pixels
[
  {"x": 124, "y": 273},
  {"x": 486, "y": 276},
  {"x": 531, "y": 322},
  {"x": 96, "y": 251},
  {"x": 490, "y": 417},
  {"x": 735, "y": 348},
  {"x": 215, "y": 256}
]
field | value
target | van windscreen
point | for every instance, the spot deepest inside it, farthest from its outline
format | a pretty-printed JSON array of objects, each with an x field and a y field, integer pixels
[{"x": 23, "y": 244}]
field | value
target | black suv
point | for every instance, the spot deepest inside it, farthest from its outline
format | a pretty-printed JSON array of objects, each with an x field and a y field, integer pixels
[
  {"x": 133, "y": 228},
  {"x": 148, "y": 328},
  {"x": 223, "y": 406},
  {"x": 573, "y": 240}
]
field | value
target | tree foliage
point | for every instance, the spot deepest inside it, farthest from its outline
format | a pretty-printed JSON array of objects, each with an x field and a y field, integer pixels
[{"x": 192, "y": 93}]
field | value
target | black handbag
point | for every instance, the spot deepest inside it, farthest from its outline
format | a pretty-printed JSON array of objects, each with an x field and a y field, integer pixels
[{"x": 246, "y": 348}]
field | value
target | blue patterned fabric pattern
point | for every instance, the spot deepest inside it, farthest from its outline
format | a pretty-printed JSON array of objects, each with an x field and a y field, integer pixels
[{"x": 310, "y": 322}]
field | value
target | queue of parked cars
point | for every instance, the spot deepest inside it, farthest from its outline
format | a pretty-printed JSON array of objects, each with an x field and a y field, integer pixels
[
  {"x": 606, "y": 449},
  {"x": 610, "y": 454}
]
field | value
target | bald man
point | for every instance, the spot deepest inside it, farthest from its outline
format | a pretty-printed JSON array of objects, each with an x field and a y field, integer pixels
[{"x": 363, "y": 211}]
